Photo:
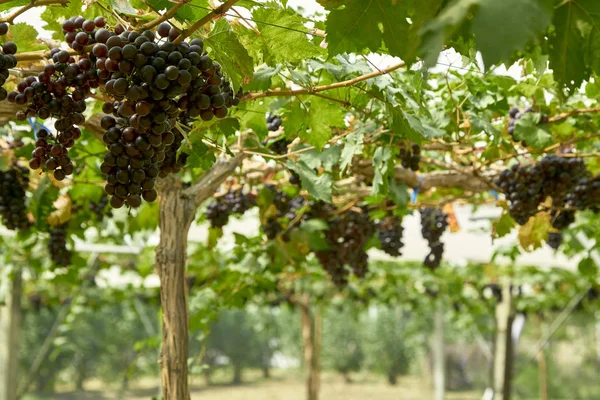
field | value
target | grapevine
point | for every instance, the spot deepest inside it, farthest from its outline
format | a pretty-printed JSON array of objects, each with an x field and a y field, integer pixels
[
  {"x": 13, "y": 187},
  {"x": 390, "y": 235},
  {"x": 433, "y": 224},
  {"x": 57, "y": 246}
]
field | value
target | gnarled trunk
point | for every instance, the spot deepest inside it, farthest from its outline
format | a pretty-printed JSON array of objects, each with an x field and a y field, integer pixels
[
  {"x": 311, "y": 335},
  {"x": 176, "y": 216}
]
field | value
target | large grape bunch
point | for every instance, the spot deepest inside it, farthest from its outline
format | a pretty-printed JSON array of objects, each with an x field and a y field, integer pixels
[
  {"x": 57, "y": 246},
  {"x": 233, "y": 202},
  {"x": 7, "y": 60},
  {"x": 433, "y": 224},
  {"x": 563, "y": 179},
  {"x": 13, "y": 188},
  {"x": 346, "y": 237},
  {"x": 389, "y": 231},
  {"x": 153, "y": 81},
  {"x": 286, "y": 209}
]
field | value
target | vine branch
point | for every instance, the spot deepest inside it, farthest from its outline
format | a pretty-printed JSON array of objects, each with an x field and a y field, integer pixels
[
  {"x": 205, "y": 20},
  {"x": 40, "y": 3},
  {"x": 322, "y": 88},
  {"x": 563, "y": 116}
]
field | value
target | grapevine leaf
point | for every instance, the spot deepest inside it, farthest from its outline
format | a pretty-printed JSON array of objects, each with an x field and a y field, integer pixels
[
  {"x": 529, "y": 130},
  {"x": 398, "y": 193},
  {"x": 229, "y": 52},
  {"x": 330, "y": 157},
  {"x": 370, "y": 25},
  {"x": 315, "y": 125},
  {"x": 14, "y": 3},
  {"x": 587, "y": 267},
  {"x": 534, "y": 232},
  {"x": 41, "y": 202},
  {"x": 320, "y": 187},
  {"x": 24, "y": 36},
  {"x": 574, "y": 46},
  {"x": 410, "y": 126},
  {"x": 353, "y": 145},
  {"x": 262, "y": 79},
  {"x": 503, "y": 226},
  {"x": 279, "y": 45},
  {"x": 444, "y": 27},
  {"x": 381, "y": 160},
  {"x": 522, "y": 21}
]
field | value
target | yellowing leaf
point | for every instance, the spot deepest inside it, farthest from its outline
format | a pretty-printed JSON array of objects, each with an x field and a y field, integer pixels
[
  {"x": 63, "y": 211},
  {"x": 535, "y": 232}
]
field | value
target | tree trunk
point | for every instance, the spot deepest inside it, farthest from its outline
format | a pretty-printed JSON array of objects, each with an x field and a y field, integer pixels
[
  {"x": 312, "y": 346},
  {"x": 10, "y": 326},
  {"x": 237, "y": 374},
  {"x": 439, "y": 359},
  {"x": 176, "y": 216},
  {"x": 502, "y": 358},
  {"x": 266, "y": 371}
]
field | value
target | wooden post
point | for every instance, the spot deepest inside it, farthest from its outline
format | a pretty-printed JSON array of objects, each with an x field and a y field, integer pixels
[
  {"x": 542, "y": 367},
  {"x": 312, "y": 345},
  {"x": 503, "y": 351},
  {"x": 10, "y": 326},
  {"x": 439, "y": 359}
]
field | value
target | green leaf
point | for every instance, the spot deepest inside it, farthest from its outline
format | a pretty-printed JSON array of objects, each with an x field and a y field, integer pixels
[
  {"x": 353, "y": 145},
  {"x": 504, "y": 225},
  {"x": 381, "y": 168},
  {"x": 444, "y": 27},
  {"x": 503, "y": 27},
  {"x": 588, "y": 268},
  {"x": 330, "y": 157},
  {"x": 576, "y": 41},
  {"x": 42, "y": 202},
  {"x": 280, "y": 45},
  {"x": 361, "y": 26},
  {"x": 529, "y": 130},
  {"x": 409, "y": 126},
  {"x": 229, "y": 52},
  {"x": 320, "y": 187},
  {"x": 398, "y": 192},
  {"x": 315, "y": 125},
  {"x": 535, "y": 232},
  {"x": 25, "y": 37},
  {"x": 262, "y": 79}
]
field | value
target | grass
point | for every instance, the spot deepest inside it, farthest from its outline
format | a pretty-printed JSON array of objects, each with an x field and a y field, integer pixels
[{"x": 283, "y": 385}]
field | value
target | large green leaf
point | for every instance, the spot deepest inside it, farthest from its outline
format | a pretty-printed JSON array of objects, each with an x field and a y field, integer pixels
[
  {"x": 25, "y": 37},
  {"x": 315, "y": 124},
  {"x": 532, "y": 133},
  {"x": 576, "y": 41},
  {"x": 229, "y": 52},
  {"x": 500, "y": 27},
  {"x": 370, "y": 25},
  {"x": 381, "y": 163},
  {"x": 319, "y": 187},
  {"x": 280, "y": 45},
  {"x": 353, "y": 145}
]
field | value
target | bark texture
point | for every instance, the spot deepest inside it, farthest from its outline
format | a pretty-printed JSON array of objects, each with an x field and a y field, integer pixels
[
  {"x": 177, "y": 211},
  {"x": 311, "y": 332}
]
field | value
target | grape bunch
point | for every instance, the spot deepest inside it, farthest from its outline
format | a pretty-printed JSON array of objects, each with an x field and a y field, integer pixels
[
  {"x": 514, "y": 115},
  {"x": 80, "y": 32},
  {"x": 527, "y": 187},
  {"x": 347, "y": 237},
  {"x": 555, "y": 239},
  {"x": 586, "y": 194},
  {"x": 273, "y": 122},
  {"x": 13, "y": 188},
  {"x": 7, "y": 60},
  {"x": 58, "y": 91},
  {"x": 233, "y": 202},
  {"x": 411, "y": 158},
  {"x": 389, "y": 231},
  {"x": 285, "y": 207},
  {"x": 57, "y": 246},
  {"x": 433, "y": 224},
  {"x": 99, "y": 208},
  {"x": 153, "y": 80},
  {"x": 280, "y": 146}
]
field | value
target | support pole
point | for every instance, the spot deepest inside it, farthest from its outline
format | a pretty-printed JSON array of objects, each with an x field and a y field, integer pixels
[
  {"x": 10, "y": 326},
  {"x": 439, "y": 359},
  {"x": 503, "y": 351}
]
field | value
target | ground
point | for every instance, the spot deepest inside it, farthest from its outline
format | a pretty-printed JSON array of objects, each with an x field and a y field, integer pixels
[{"x": 282, "y": 386}]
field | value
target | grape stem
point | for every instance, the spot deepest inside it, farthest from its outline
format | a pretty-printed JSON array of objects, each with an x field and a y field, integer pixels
[
  {"x": 217, "y": 12},
  {"x": 322, "y": 88},
  {"x": 165, "y": 17},
  {"x": 40, "y": 3}
]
